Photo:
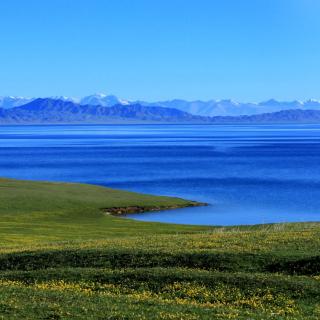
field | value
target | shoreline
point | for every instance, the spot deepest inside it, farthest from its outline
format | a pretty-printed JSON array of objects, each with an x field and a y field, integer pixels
[{"x": 123, "y": 211}]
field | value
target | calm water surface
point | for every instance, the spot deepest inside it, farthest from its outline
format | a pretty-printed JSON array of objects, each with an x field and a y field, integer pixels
[{"x": 248, "y": 174}]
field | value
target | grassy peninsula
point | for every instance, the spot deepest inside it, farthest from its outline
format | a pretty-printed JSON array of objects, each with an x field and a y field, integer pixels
[{"x": 64, "y": 256}]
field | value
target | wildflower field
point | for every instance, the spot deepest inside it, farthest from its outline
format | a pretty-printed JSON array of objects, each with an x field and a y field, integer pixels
[{"x": 63, "y": 257}]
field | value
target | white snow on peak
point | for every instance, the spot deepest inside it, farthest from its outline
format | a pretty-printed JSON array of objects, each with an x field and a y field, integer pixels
[
  {"x": 8, "y": 102},
  {"x": 101, "y": 99},
  {"x": 66, "y": 98}
]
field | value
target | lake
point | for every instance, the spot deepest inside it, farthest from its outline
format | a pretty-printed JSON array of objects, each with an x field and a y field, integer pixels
[{"x": 247, "y": 173}]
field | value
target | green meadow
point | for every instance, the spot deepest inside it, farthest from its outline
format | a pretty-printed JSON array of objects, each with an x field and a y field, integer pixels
[{"x": 64, "y": 256}]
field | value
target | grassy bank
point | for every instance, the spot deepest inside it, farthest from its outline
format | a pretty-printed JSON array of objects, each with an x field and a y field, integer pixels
[
  {"x": 63, "y": 257},
  {"x": 38, "y": 212}
]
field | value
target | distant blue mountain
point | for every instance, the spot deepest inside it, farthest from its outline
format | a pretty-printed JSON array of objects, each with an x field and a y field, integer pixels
[
  {"x": 233, "y": 108},
  {"x": 283, "y": 116},
  {"x": 210, "y": 108},
  {"x": 62, "y": 111}
]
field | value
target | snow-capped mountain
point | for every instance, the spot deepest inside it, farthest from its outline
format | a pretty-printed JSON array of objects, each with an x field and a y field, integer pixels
[
  {"x": 100, "y": 99},
  {"x": 11, "y": 102},
  {"x": 48, "y": 110},
  {"x": 44, "y": 111},
  {"x": 225, "y": 107},
  {"x": 211, "y": 108},
  {"x": 229, "y": 107}
]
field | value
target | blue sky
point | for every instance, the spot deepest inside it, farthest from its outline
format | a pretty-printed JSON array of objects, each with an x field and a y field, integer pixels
[{"x": 247, "y": 50}]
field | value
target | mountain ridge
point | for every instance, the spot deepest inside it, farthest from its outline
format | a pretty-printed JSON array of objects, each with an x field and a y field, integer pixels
[
  {"x": 224, "y": 107},
  {"x": 50, "y": 111},
  {"x": 47, "y": 110}
]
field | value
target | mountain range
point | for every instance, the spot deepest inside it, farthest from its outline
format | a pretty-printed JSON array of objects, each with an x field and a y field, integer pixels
[
  {"x": 50, "y": 111},
  {"x": 209, "y": 108},
  {"x": 229, "y": 107}
]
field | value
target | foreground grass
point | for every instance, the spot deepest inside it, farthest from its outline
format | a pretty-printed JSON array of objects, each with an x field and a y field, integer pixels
[{"x": 62, "y": 257}]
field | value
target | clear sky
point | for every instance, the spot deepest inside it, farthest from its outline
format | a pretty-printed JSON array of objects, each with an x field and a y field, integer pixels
[{"x": 247, "y": 50}]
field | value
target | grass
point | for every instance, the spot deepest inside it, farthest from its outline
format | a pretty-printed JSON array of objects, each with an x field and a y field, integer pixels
[
  {"x": 63, "y": 257},
  {"x": 37, "y": 212}
]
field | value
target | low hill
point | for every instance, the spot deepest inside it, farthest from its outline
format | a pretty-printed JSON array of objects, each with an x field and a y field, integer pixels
[{"x": 284, "y": 116}]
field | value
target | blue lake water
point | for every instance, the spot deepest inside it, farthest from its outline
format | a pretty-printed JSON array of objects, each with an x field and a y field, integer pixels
[{"x": 248, "y": 174}]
